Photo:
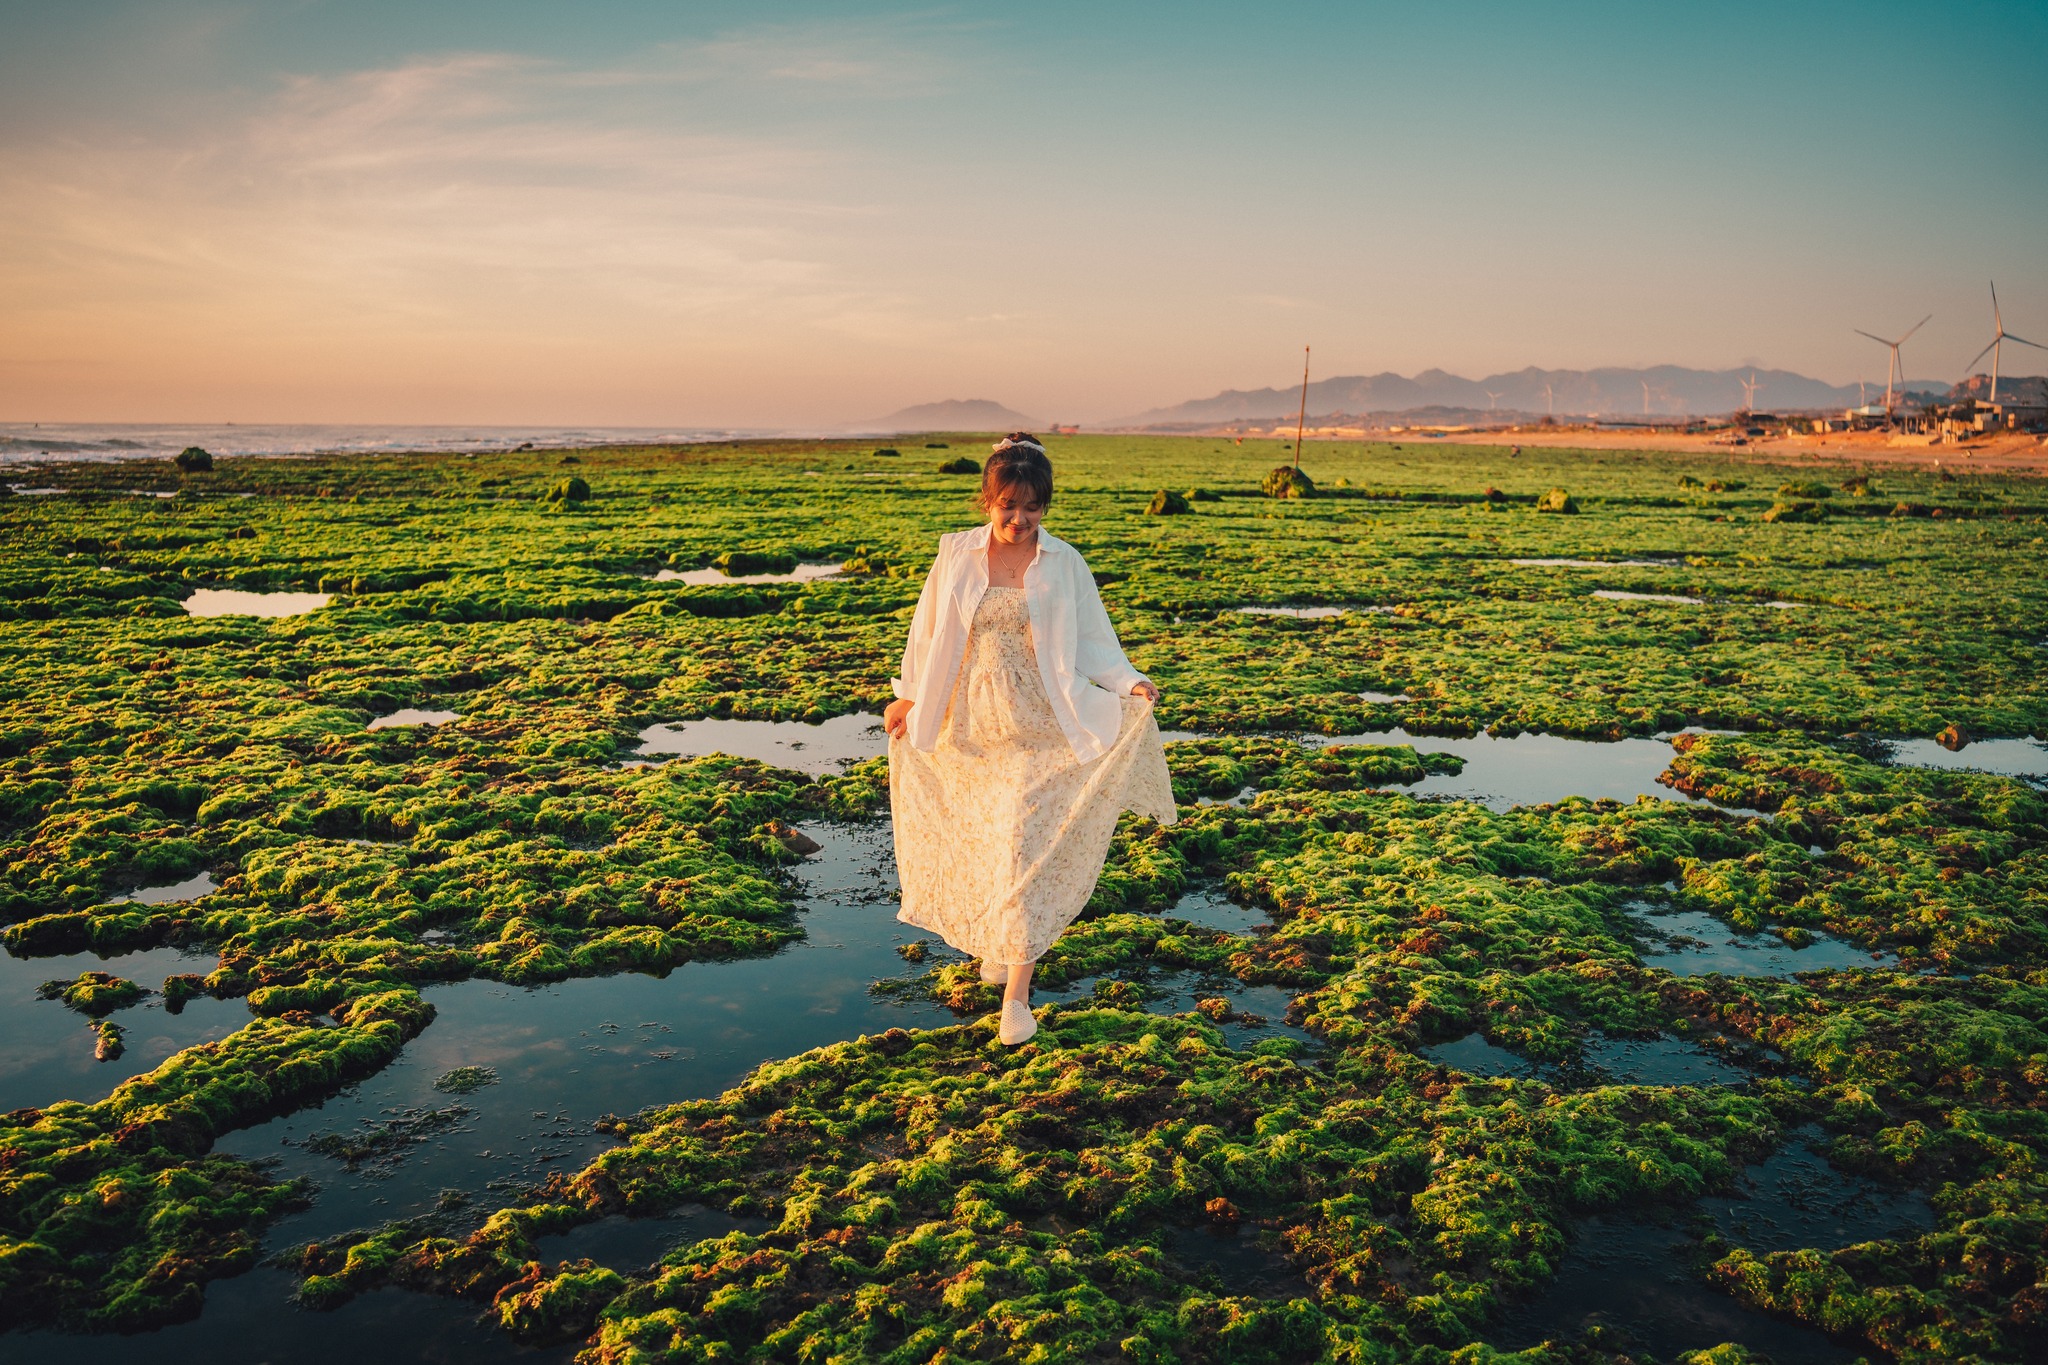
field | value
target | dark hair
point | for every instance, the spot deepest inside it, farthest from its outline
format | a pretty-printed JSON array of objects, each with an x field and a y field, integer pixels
[{"x": 1022, "y": 465}]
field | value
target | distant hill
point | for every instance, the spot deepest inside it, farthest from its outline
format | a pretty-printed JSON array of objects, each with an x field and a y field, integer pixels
[
  {"x": 954, "y": 414},
  {"x": 1674, "y": 391},
  {"x": 2012, "y": 388}
]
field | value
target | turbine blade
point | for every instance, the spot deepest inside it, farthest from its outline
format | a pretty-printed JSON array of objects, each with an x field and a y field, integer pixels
[
  {"x": 2024, "y": 342},
  {"x": 1994, "y": 307},
  {"x": 1916, "y": 327},
  {"x": 1980, "y": 355},
  {"x": 1872, "y": 335}
]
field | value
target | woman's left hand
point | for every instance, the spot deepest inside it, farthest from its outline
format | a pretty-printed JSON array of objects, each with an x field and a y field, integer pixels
[{"x": 1147, "y": 691}]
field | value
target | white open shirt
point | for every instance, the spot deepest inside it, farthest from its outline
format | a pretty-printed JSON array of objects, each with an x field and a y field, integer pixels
[{"x": 1079, "y": 658}]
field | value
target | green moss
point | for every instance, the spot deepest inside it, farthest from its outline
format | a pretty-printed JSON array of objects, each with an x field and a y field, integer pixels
[{"x": 93, "y": 993}]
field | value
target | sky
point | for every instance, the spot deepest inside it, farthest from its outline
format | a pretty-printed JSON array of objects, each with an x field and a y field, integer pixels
[{"x": 789, "y": 215}]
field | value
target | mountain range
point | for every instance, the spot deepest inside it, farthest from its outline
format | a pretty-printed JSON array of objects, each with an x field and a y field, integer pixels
[
  {"x": 1673, "y": 391},
  {"x": 952, "y": 414}
]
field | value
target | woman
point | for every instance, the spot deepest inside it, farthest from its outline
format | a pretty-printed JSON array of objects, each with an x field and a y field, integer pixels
[{"x": 1019, "y": 733}]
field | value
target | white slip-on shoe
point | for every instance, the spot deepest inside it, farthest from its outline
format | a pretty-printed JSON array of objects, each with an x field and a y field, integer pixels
[
  {"x": 994, "y": 973},
  {"x": 1017, "y": 1025}
]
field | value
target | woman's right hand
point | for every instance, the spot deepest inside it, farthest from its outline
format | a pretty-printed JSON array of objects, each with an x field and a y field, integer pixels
[{"x": 896, "y": 718}]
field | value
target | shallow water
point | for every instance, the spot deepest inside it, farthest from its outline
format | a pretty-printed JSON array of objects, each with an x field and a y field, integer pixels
[
  {"x": 1178, "y": 992},
  {"x": 234, "y": 602},
  {"x": 712, "y": 578},
  {"x": 1529, "y": 770},
  {"x": 1795, "y": 1199},
  {"x": 191, "y": 889},
  {"x": 1634, "y": 1277},
  {"x": 48, "y": 1051},
  {"x": 2003, "y": 757},
  {"x": 408, "y": 716},
  {"x": 1306, "y": 613},
  {"x": 1384, "y": 698},
  {"x": 1238, "y": 1260},
  {"x": 1207, "y": 907},
  {"x": 822, "y": 748},
  {"x": 630, "y": 1245},
  {"x": 1602, "y": 1061},
  {"x": 1615, "y": 595},
  {"x": 1693, "y": 943}
]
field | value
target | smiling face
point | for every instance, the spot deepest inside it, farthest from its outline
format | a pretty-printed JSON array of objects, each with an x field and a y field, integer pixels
[{"x": 1014, "y": 514}]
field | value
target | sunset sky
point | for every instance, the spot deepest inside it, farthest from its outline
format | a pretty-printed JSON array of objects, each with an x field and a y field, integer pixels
[{"x": 785, "y": 215}]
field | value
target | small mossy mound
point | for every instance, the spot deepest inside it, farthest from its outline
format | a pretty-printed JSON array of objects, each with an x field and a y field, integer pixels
[
  {"x": 1859, "y": 486},
  {"x": 1204, "y": 495},
  {"x": 466, "y": 1080},
  {"x": 1804, "y": 488},
  {"x": 1557, "y": 500},
  {"x": 93, "y": 993},
  {"x": 737, "y": 562},
  {"x": 1912, "y": 509},
  {"x": 888, "y": 453},
  {"x": 194, "y": 460},
  {"x": 1166, "y": 503},
  {"x": 1688, "y": 481},
  {"x": 1798, "y": 511},
  {"x": 1288, "y": 482},
  {"x": 938, "y": 445},
  {"x": 570, "y": 490},
  {"x": 961, "y": 464}
]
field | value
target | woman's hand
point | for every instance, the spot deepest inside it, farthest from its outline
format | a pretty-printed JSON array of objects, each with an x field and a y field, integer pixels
[
  {"x": 896, "y": 718},
  {"x": 1147, "y": 691}
]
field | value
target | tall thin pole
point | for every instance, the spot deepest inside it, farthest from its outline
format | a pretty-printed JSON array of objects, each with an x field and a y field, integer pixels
[{"x": 1301, "y": 418}]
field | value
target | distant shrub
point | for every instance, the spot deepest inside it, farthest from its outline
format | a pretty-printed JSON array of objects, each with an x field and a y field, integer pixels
[
  {"x": 1288, "y": 482},
  {"x": 888, "y": 453},
  {"x": 1800, "y": 488},
  {"x": 571, "y": 489},
  {"x": 193, "y": 460},
  {"x": 1800, "y": 511},
  {"x": 569, "y": 459},
  {"x": 961, "y": 464},
  {"x": 1557, "y": 500},
  {"x": 1167, "y": 503},
  {"x": 938, "y": 445}
]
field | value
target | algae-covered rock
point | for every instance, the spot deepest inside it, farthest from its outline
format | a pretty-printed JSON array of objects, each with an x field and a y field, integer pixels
[
  {"x": 1166, "y": 503},
  {"x": 1797, "y": 512},
  {"x": 741, "y": 562},
  {"x": 1557, "y": 500},
  {"x": 570, "y": 490},
  {"x": 1804, "y": 489},
  {"x": 1952, "y": 737},
  {"x": 194, "y": 460},
  {"x": 960, "y": 464},
  {"x": 1287, "y": 482},
  {"x": 466, "y": 1080},
  {"x": 93, "y": 993}
]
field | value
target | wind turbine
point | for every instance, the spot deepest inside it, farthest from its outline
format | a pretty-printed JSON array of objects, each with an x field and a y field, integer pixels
[
  {"x": 1646, "y": 396},
  {"x": 1549, "y": 402},
  {"x": 2003, "y": 336},
  {"x": 1493, "y": 399},
  {"x": 1894, "y": 365},
  {"x": 1749, "y": 388}
]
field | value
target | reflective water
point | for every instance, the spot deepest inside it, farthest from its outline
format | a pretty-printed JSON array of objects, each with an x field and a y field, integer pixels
[
  {"x": 711, "y": 578},
  {"x": 1255, "y": 1013},
  {"x": 1207, "y": 907},
  {"x": 1615, "y": 595},
  {"x": 409, "y": 716},
  {"x": 1308, "y": 613},
  {"x": 48, "y": 1051},
  {"x": 822, "y": 748},
  {"x": 1384, "y": 698},
  {"x": 2004, "y": 757},
  {"x": 1528, "y": 770},
  {"x": 234, "y": 602},
  {"x": 1237, "y": 1259},
  {"x": 191, "y": 889},
  {"x": 629, "y": 1245},
  {"x": 1693, "y": 943}
]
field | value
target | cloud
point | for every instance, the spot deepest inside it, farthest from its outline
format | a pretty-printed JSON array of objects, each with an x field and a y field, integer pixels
[{"x": 469, "y": 195}]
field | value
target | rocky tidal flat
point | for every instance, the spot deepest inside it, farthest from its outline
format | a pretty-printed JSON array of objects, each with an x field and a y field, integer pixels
[{"x": 1531, "y": 975}]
